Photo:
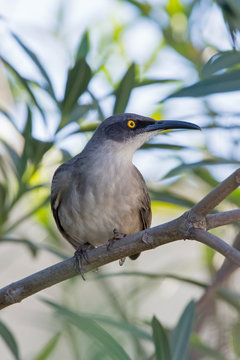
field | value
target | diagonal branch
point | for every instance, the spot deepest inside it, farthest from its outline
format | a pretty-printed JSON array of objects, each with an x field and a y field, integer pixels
[
  {"x": 191, "y": 225},
  {"x": 217, "y": 244},
  {"x": 220, "y": 278}
]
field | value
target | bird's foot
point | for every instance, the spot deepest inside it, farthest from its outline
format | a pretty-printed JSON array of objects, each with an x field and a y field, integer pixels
[
  {"x": 79, "y": 255},
  {"x": 116, "y": 236}
]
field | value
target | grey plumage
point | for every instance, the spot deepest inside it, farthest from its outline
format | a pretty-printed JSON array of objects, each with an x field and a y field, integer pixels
[{"x": 100, "y": 189}]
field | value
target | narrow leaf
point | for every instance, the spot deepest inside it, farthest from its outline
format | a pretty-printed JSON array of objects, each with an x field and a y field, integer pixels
[
  {"x": 124, "y": 90},
  {"x": 77, "y": 113},
  {"x": 121, "y": 325},
  {"x": 215, "y": 84},
  {"x": 170, "y": 198},
  {"x": 160, "y": 338},
  {"x": 25, "y": 84},
  {"x": 235, "y": 338},
  {"x": 199, "y": 164},
  {"x": 77, "y": 82},
  {"x": 146, "y": 82},
  {"x": 181, "y": 334},
  {"x": 13, "y": 155},
  {"x": 221, "y": 61},
  {"x": 154, "y": 276},
  {"x": 165, "y": 146},
  {"x": 48, "y": 349},
  {"x": 205, "y": 175},
  {"x": 230, "y": 297},
  {"x": 83, "y": 47},
  {"x": 28, "y": 214},
  {"x": 31, "y": 246},
  {"x": 112, "y": 348},
  {"x": 37, "y": 62},
  {"x": 9, "y": 339}
]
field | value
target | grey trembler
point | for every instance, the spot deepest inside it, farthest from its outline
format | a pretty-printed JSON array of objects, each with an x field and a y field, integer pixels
[{"x": 100, "y": 189}]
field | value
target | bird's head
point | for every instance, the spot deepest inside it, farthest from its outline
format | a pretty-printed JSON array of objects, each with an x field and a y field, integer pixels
[{"x": 131, "y": 131}]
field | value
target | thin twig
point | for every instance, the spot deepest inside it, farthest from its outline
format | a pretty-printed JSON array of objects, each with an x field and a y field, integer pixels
[
  {"x": 222, "y": 275},
  {"x": 221, "y": 219},
  {"x": 217, "y": 244}
]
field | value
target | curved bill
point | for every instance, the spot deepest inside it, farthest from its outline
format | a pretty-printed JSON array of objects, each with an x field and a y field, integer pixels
[{"x": 171, "y": 124}]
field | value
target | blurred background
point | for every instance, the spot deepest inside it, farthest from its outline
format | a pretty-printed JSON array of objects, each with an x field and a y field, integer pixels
[{"x": 64, "y": 67}]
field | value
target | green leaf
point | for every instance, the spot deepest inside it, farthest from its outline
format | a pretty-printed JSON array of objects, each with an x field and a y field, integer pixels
[
  {"x": 36, "y": 61},
  {"x": 226, "y": 295},
  {"x": 235, "y": 338},
  {"x": 181, "y": 334},
  {"x": 170, "y": 198},
  {"x": 48, "y": 349},
  {"x": 3, "y": 200},
  {"x": 112, "y": 348},
  {"x": 160, "y": 338},
  {"x": 9, "y": 339},
  {"x": 83, "y": 47},
  {"x": 206, "y": 176},
  {"x": 144, "y": 7},
  {"x": 124, "y": 90},
  {"x": 121, "y": 325},
  {"x": 28, "y": 214},
  {"x": 221, "y": 61},
  {"x": 76, "y": 114},
  {"x": 13, "y": 155},
  {"x": 199, "y": 164},
  {"x": 154, "y": 276},
  {"x": 77, "y": 83},
  {"x": 25, "y": 84},
  {"x": 30, "y": 245},
  {"x": 165, "y": 146},
  {"x": 146, "y": 82},
  {"x": 215, "y": 84},
  {"x": 34, "y": 149}
]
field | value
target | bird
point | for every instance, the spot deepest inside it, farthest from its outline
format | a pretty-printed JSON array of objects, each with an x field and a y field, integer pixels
[{"x": 99, "y": 192}]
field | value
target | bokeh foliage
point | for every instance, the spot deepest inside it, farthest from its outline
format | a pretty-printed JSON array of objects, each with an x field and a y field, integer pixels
[{"x": 24, "y": 167}]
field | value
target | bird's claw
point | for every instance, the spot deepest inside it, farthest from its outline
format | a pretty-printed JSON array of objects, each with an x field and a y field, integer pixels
[
  {"x": 116, "y": 236},
  {"x": 79, "y": 255}
]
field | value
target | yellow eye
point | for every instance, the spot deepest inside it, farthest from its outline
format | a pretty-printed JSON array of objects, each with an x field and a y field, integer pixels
[{"x": 131, "y": 124}]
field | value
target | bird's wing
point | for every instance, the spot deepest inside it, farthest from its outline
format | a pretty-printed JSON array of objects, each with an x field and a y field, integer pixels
[
  {"x": 60, "y": 186},
  {"x": 145, "y": 204},
  {"x": 145, "y": 211}
]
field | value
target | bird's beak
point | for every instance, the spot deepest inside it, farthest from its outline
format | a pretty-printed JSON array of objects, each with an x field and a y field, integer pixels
[{"x": 171, "y": 124}]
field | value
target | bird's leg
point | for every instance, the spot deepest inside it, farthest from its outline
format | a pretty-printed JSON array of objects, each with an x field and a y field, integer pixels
[
  {"x": 116, "y": 236},
  {"x": 81, "y": 253}
]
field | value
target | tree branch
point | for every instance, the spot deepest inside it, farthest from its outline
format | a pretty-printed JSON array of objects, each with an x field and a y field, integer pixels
[
  {"x": 224, "y": 218},
  {"x": 205, "y": 303},
  {"x": 217, "y": 244},
  {"x": 191, "y": 225}
]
